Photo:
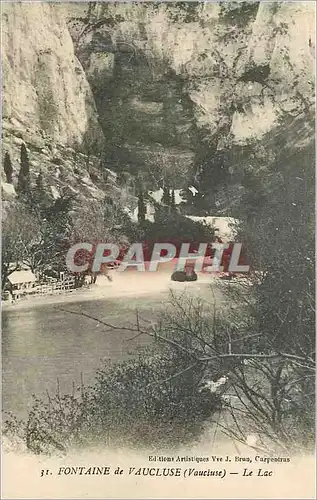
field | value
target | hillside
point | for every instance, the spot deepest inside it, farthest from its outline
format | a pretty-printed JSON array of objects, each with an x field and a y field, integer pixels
[{"x": 165, "y": 93}]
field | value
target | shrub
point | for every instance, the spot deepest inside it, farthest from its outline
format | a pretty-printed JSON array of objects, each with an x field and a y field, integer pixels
[{"x": 139, "y": 402}]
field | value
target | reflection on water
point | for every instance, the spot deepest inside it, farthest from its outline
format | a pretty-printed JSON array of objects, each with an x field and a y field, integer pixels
[{"x": 43, "y": 344}]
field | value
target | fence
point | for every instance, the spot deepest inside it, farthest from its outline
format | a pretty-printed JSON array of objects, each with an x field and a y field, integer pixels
[{"x": 67, "y": 284}]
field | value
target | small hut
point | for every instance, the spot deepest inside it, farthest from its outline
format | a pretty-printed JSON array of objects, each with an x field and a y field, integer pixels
[{"x": 21, "y": 283}]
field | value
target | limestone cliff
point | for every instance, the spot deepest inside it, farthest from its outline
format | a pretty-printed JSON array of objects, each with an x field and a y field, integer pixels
[
  {"x": 153, "y": 88},
  {"x": 242, "y": 65},
  {"x": 46, "y": 93},
  {"x": 48, "y": 104}
]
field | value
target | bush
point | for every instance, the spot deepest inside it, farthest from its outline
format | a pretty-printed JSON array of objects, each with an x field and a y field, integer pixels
[
  {"x": 135, "y": 403},
  {"x": 141, "y": 402}
]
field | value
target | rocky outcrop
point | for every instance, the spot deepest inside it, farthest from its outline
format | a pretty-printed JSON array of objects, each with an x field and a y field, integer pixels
[
  {"x": 46, "y": 93},
  {"x": 242, "y": 66},
  {"x": 177, "y": 79},
  {"x": 49, "y": 106},
  {"x": 151, "y": 85}
]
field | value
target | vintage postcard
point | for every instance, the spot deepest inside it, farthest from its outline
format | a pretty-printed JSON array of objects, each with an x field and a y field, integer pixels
[{"x": 158, "y": 249}]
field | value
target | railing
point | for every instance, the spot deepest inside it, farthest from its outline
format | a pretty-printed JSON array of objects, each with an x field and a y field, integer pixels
[{"x": 65, "y": 285}]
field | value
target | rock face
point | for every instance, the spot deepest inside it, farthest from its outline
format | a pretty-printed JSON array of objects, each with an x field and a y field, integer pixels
[
  {"x": 228, "y": 71},
  {"x": 46, "y": 93},
  {"x": 155, "y": 86},
  {"x": 48, "y": 105}
]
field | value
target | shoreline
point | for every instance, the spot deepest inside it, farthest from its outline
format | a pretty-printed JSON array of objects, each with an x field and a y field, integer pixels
[{"x": 132, "y": 286}]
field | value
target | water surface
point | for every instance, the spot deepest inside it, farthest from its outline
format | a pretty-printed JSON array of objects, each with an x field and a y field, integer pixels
[{"x": 43, "y": 344}]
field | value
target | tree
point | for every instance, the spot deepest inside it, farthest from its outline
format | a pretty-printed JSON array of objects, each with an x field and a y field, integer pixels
[
  {"x": 8, "y": 170},
  {"x": 58, "y": 227},
  {"x": 36, "y": 235},
  {"x": 166, "y": 198},
  {"x": 277, "y": 228},
  {"x": 20, "y": 235},
  {"x": 38, "y": 199},
  {"x": 24, "y": 174},
  {"x": 212, "y": 174},
  {"x": 172, "y": 202},
  {"x": 254, "y": 196},
  {"x": 187, "y": 206},
  {"x": 141, "y": 207},
  {"x": 123, "y": 178}
]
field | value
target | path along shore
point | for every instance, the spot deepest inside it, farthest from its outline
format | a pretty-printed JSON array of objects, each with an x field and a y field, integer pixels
[{"x": 125, "y": 284}]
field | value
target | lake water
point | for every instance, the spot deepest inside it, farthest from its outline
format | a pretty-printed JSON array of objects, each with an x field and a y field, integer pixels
[{"x": 43, "y": 344}]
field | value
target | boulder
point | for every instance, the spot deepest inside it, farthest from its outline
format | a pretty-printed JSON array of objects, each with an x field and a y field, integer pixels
[
  {"x": 8, "y": 191},
  {"x": 191, "y": 277},
  {"x": 178, "y": 276}
]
